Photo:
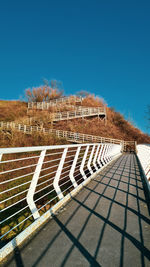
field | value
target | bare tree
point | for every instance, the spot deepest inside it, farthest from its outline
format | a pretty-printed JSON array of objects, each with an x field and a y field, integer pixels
[{"x": 48, "y": 91}]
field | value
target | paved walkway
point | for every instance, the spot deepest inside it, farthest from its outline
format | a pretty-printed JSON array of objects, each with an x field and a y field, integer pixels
[{"x": 106, "y": 224}]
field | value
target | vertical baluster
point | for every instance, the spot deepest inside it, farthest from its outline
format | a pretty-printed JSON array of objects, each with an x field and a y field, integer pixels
[
  {"x": 90, "y": 159},
  {"x": 83, "y": 162},
  {"x": 71, "y": 174},
  {"x": 58, "y": 174},
  {"x": 33, "y": 185}
]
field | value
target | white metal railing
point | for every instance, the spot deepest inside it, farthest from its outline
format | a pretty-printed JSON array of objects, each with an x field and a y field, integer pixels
[
  {"x": 54, "y": 102},
  {"x": 143, "y": 153},
  {"x": 34, "y": 180},
  {"x": 70, "y": 136},
  {"x": 79, "y": 113}
]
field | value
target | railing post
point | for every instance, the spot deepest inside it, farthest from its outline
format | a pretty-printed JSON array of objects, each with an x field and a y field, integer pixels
[
  {"x": 121, "y": 143},
  {"x": 1, "y": 156},
  {"x": 108, "y": 152},
  {"x": 95, "y": 157},
  {"x": 58, "y": 173},
  {"x": 83, "y": 162},
  {"x": 24, "y": 130},
  {"x": 100, "y": 155},
  {"x": 103, "y": 154},
  {"x": 90, "y": 159},
  {"x": 73, "y": 167},
  {"x": 33, "y": 185}
]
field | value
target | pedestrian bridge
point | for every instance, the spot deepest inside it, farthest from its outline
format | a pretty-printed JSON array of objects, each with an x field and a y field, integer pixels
[{"x": 105, "y": 224}]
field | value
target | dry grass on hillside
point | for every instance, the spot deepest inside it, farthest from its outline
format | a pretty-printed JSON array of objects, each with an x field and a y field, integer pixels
[
  {"x": 116, "y": 126},
  {"x": 19, "y": 139},
  {"x": 11, "y": 110},
  {"x": 92, "y": 101}
]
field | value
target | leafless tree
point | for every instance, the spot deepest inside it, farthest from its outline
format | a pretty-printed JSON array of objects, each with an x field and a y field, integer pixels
[{"x": 48, "y": 91}]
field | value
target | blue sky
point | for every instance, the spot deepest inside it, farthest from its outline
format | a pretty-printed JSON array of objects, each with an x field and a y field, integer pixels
[{"x": 99, "y": 46}]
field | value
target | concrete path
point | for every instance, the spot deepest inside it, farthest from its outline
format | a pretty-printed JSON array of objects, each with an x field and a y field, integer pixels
[{"x": 106, "y": 224}]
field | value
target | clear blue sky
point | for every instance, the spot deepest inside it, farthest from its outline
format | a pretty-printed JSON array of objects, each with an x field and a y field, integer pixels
[{"x": 99, "y": 46}]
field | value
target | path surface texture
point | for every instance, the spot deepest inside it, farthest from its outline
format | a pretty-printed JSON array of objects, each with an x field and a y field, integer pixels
[{"x": 106, "y": 224}]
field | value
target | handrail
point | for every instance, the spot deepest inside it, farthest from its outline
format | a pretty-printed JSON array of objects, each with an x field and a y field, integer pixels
[
  {"x": 47, "y": 104},
  {"x": 79, "y": 113},
  {"x": 35, "y": 181},
  {"x": 70, "y": 136},
  {"x": 143, "y": 153},
  {"x": 76, "y": 112}
]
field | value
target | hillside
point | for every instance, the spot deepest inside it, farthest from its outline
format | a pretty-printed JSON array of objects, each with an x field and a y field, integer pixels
[
  {"x": 115, "y": 126},
  {"x": 11, "y": 110}
]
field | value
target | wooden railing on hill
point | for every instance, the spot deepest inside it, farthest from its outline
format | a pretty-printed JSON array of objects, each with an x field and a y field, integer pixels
[
  {"x": 76, "y": 112},
  {"x": 46, "y": 105},
  {"x": 70, "y": 136},
  {"x": 79, "y": 113}
]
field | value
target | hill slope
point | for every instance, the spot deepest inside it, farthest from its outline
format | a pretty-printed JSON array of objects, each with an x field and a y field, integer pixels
[{"x": 115, "y": 127}]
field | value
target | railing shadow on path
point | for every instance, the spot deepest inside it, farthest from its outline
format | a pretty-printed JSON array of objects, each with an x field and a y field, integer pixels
[{"x": 112, "y": 221}]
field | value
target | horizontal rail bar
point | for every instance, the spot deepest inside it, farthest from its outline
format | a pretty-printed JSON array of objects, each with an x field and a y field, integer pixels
[{"x": 26, "y": 197}]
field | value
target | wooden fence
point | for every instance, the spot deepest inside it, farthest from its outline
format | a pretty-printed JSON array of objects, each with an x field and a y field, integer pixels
[
  {"x": 46, "y": 105},
  {"x": 70, "y": 136},
  {"x": 79, "y": 113}
]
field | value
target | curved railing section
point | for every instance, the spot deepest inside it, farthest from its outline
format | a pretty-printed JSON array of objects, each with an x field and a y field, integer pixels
[
  {"x": 143, "y": 153},
  {"x": 36, "y": 181}
]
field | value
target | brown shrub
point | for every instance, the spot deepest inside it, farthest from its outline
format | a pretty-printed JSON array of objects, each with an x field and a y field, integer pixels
[
  {"x": 17, "y": 139},
  {"x": 42, "y": 93},
  {"x": 92, "y": 101}
]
